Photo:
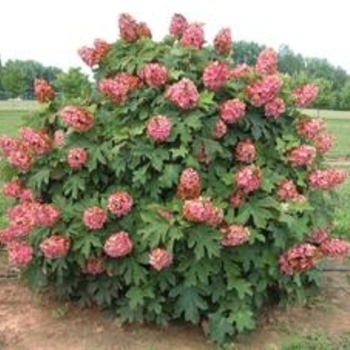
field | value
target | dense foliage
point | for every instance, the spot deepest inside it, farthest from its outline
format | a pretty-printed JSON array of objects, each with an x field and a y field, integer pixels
[{"x": 185, "y": 187}]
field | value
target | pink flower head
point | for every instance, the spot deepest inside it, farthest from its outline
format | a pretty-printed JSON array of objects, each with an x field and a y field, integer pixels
[
  {"x": 245, "y": 151},
  {"x": 319, "y": 236},
  {"x": 77, "y": 118},
  {"x": 9, "y": 144},
  {"x": 183, "y": 94},
  {"x": 45, "y": 215},
  {"x": 309, "y": 128},
  {"x": 248, "y": 179},
  {"x": 275, "y": 108},
  {"x": 264, "y": 90},
  {"x": 154, "y": 74},
  {"x": 59, "y": 138},
  {"x": 22, "y": 158},
  {"x": 189, "y": 185},
  {"x": 302, "y": 155},
  {"x": 323, "y": 143},
  {"x": 159, "y": 128},
  {"x": 128, "y": 28},
  {"x": 19, "y": 254},
  {"x": 120, "y": 203},
  {"x": 215, "y": 75},
  {"x": 178, "y": 25},
  {"x": 304, "y": 95},
  {"x": 87, "y": 54},
  {"x": 298, "y": 259},
  {"x": 326, "y": 179},
  {"x": 202, "y": 210},
  {"x": 287, "y": 190},
  {"x": 232, "y": 111},
  {"x": 237, "y": 198},
  {"x": 55, "y": 247},
  {"x": 334, "y": 247},
  {"x": 77, "y": 157},
  {"x": 13, "y": 188},
  {"x": 266, "y": 63},
  {"x": 193, "y": 36},
  {"x": 220, "y": 129},
  {"x": 38, "y": 141},
  {"x": 118, "y": 244},
  {"x": 94, "y": 218},
  {"x": 143, "y": 30},
  {"x": 43, "y": 91},
  {"x": 160, "y": 258},
  {"x": 101, "y": 50},
  {"x": 234, "y": 235},
  {"x": 94, "y": 266},
  {"x": 223, "y": 41},
  {"x": 118, "y": 88},
  {"x": 26, "y": 195},
  {"x": 240, "y": 71}
]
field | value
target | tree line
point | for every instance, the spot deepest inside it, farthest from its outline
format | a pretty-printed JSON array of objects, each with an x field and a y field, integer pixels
[{"x": 17, "y": 76}]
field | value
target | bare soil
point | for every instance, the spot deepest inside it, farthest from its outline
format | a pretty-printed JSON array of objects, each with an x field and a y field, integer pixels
[{"x": 38, "y": 322}]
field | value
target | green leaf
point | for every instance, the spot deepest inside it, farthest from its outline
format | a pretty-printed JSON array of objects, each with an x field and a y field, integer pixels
[
  {"x": 189, "y": 303},
  {"x": 220, "y": 328},
  {"x": 73, "y": 186},
  {"x": 205, "y": 242},
  {"x": 86, "y": 244},
  {"x": 132, "y": 271},
  {"x": 39, "y": 179},
  {"x": 137, "y": 296}
]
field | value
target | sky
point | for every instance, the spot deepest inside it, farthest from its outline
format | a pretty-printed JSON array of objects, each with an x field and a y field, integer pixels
[{"x": 51, "y": 32}]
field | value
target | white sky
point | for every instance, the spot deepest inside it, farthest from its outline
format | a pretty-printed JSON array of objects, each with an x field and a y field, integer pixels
[{"x": 52, "y": 31}]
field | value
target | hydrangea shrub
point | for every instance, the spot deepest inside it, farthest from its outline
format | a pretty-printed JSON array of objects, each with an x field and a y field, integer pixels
[{"x": 186, "y": 187}]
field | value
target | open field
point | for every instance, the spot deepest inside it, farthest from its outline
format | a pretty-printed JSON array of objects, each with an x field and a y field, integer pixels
[{"x": 31, "y": 322}]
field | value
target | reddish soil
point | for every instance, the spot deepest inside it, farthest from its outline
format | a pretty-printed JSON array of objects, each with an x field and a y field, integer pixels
[{"x": 37, "y": 322}]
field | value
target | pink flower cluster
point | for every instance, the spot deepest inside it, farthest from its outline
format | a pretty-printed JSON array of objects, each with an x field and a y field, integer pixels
[
  {"x": 118, "y": 88},
  {"x": 220, "y": 129},
  {"x": 298, "y": 259},
  {"x": 19, "y": 254},
  {"x": 287, "y": 190},
  {"x": 178, "y": 25},
  {"x": 189, "y": 186},
  {"x": 308, "y": 128},
  {"x": 323, "y": 143},
  {"x": 325, "y": 179},
  {"x": 248, "y": 179},
  {"x": 193, "y": 36},
  {"x": 234, "y": 235},
  {"x": 93, "y": 56},
  {"x": 304, "y": 95},
  {"x": 94, "y": 218},
  {"x": 223, "y": 41},
  {"x": 159, "y": 128},
  {"x": 120, "y": 203},
  {"x": 275, "y": 108},
  {"x": 335, "y": 247},
  {"x": 215, "y": 75},
  {"x": 239, "y": 71},
  {"x": 55, "y": 247},
  {"x": 118, "y": 244},
  {"x": 160, "y": 258},
  {"x": 38, "y": 141},
  {"x": 13, "y": 188},
  {"x": 76, "y": 158},
  {"x": 43, "y": 91},
  {"x": 59, "y": 138},
  {"x": 264, "y": 90},
  {"x": 18, "y": 153},
  {"x": 202, "y": 210},
  {"x": 231, "y": 111},
  {"x": 183, "y": 94},
  {"x": 266, "y": 63},
  {"x": 94, "y": 266},
  {"x": 237, "y": 198},
  {"x": 154, "y": 74},
  {"x": 302, "y": 155},
  {"x": 77, "y": 118},
  {"x": 245, "y": 151},
  {"x": 130, "y": 30}
]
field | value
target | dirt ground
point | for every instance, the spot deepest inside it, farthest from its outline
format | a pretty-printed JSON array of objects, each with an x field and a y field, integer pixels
[{"x": 36, "y": 322}]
